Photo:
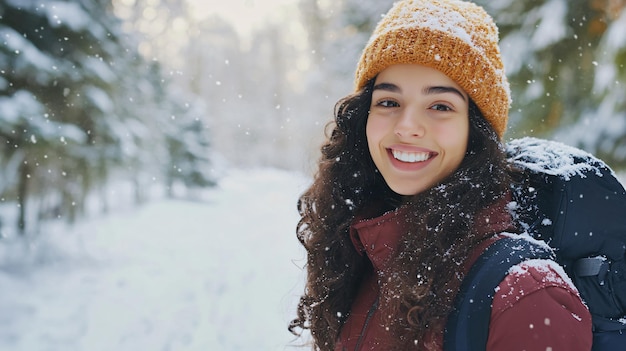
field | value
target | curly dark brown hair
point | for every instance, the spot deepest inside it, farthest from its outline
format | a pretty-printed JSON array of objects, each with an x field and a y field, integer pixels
[{"x": 426, "y": 268}]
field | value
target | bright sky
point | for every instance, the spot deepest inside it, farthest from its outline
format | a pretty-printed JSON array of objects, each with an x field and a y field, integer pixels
[{"x": 245, "y": 15}]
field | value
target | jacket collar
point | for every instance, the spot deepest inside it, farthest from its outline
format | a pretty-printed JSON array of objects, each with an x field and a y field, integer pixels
[{"x": 379, "y": 237}]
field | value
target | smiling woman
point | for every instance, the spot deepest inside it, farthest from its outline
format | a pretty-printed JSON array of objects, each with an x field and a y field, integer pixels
[
  {"x": 413, "y": 184},
  {"x": 417, "y": 128}
]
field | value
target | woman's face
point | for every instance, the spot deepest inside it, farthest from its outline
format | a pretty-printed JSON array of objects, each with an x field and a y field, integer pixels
[{"x": 418, "y": 127}]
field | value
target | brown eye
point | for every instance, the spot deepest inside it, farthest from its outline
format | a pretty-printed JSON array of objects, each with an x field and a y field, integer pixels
[
  {"x": 387, "y": 103},
  {"x": 441, "y": 107}
]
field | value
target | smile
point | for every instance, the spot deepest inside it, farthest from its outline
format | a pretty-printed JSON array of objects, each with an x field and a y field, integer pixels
[{"x": 410, "y": 156}]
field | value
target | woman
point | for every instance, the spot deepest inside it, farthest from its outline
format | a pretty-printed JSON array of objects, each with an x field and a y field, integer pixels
[{"x": 412, "y": 186}]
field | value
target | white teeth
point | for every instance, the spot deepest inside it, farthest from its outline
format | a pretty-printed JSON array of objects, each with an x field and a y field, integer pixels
[{"x": 411, "y": 156}]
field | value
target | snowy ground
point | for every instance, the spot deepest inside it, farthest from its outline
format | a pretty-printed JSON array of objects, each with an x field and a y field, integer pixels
[{"x": 222, "y": 274}]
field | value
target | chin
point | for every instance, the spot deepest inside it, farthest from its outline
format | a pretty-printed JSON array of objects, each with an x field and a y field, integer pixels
[{"x": 406, "y": 191}]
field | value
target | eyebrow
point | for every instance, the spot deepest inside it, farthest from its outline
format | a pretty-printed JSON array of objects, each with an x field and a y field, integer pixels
[
  {"x": 388, "y": 87},
  {"x": 427, "y": 90},
  {"x": 442, "y": 90}
]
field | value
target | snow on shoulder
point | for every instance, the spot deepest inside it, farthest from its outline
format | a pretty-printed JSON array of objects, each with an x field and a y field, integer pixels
[
  {"x": 549, "y": 271},
  {"x": 553, "y": 158}
]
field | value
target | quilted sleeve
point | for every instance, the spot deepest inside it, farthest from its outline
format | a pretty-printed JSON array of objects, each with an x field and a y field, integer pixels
[{"x": 536, "y": 307}]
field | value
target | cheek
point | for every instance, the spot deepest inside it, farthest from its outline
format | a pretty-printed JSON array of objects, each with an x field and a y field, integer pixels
[{"x": 454, "y": 138}]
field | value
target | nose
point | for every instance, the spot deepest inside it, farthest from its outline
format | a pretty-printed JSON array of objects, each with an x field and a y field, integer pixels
[{"x": 410, "y": 125}]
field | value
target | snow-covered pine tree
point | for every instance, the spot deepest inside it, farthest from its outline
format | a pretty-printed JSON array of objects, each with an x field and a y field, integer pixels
[
  {"x": 565, "y": 61},
  {"x": 601, "y": 128},
  {"x": 78, "y": 105},
  {"x": 188, "y": 144}
]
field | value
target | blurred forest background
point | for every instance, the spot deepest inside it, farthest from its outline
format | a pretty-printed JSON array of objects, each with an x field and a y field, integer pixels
[{"x": 166, "y": 93}]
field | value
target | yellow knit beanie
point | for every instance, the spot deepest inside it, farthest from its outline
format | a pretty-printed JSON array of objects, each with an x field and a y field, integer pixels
[{"x": 457, "y": 38}]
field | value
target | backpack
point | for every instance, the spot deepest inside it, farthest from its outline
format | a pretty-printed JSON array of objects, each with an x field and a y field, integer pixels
[{"x": 572, "y": 202}]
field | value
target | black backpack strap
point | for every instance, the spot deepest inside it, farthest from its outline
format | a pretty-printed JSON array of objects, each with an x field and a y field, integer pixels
[{"x": 468, "y": 324}]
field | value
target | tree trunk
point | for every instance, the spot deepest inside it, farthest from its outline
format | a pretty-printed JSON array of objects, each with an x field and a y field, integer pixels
[{"x": 22, "y": 194}]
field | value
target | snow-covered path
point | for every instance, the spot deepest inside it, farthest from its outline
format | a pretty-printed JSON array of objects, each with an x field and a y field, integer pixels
[{"x": 172, "y": 275}]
